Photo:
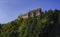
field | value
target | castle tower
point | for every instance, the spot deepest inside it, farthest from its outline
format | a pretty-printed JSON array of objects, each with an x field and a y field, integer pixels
[
  {"x": 34, "y": 13},
  {"x": 38, "y": 12}
]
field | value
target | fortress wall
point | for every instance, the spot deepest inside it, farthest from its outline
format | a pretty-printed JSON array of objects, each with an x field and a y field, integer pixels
[
  {"x": 24, "y": 16},
  {"x": 32, "y": 13}
]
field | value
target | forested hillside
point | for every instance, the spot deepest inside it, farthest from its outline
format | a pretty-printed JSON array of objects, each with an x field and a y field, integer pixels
[{"x": 45, "y": 25}]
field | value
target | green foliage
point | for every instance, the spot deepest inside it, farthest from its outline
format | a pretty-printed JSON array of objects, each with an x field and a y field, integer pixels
[{"x": 39, "y": 26}]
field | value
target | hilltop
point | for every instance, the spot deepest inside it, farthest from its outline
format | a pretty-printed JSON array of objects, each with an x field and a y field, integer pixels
[{"x": 37, "y": 24}]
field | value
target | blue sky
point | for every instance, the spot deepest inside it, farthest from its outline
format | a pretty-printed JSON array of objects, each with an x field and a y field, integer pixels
[{"x": 10, "y": 9}]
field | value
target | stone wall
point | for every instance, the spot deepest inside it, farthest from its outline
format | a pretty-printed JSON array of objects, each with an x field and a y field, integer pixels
[
  {"x": 32, "y": 13},
  {"x": 24, "y": 16}
]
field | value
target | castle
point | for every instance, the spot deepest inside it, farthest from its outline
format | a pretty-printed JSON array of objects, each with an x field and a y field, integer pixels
[{"x": 32, "y": 13}]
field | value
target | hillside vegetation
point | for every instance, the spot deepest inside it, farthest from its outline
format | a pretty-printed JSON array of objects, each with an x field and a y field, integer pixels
[{"x": 45, "y": 25}]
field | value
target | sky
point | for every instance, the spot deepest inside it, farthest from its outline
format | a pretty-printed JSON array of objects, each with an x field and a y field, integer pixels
[{"x": 11, "y": 9}]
